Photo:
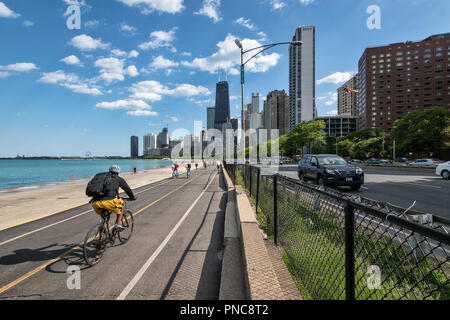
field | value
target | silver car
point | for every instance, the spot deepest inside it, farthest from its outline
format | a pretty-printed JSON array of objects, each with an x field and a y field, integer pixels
[
  {"x": 443, "y": 170},
  {"x": 425, "y": 162}
]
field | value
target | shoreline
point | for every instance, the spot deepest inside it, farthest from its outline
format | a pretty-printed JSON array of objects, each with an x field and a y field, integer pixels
[
  {"x": 53, "y": 184},
  {"x": 50, "y": 184}
]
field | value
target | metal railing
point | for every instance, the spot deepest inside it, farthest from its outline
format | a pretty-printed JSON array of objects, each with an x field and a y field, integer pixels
[{"x": 347, "y": 247}]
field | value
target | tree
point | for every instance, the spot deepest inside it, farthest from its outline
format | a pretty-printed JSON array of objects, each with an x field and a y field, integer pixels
[{"x": 422, "y": 132}]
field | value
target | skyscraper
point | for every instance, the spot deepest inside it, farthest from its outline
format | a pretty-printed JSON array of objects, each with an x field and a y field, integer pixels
[
  {"x": 396, "y": 79},
  {"x": 163, "y": 139},
  {"x": 302, "y": 76},
  {"x": 276, "y": 112},
  {"x": 149, "y": 143},
  {"x": 346, "y": 99},
  {"x": 222, "y": 111},
  {"x": 134, "y": 147},
  {"x": 210, "y": 117}
]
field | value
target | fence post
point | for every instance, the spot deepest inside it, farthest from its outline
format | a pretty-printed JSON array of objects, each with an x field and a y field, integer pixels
[
  {"x": 250, "y": 181},
  {"x": 275, "y": 210},
  {"x": 349, "y": 253},
  {"x": 258, "y": 172}
]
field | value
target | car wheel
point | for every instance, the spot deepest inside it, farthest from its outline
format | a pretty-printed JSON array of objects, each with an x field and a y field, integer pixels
[
  {"x": 356, "y": 187},
  {"x": 445, "y": 174},
  {"x": 321, "y": 181},
  {"x": 301, "y": 177}
]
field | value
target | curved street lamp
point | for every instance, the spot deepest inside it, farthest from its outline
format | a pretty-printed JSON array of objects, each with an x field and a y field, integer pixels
[{"x": 243, "y": 63}]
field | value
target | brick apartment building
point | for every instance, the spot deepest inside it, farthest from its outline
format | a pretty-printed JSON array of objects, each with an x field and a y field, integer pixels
[{"x": 399, "y": 78}]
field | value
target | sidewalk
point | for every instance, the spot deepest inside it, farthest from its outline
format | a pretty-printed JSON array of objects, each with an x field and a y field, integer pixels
[{"x": 21, "y": 207}]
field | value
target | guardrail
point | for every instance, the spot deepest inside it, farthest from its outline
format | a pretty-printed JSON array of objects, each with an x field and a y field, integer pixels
[{"x": 347, "y": 247}]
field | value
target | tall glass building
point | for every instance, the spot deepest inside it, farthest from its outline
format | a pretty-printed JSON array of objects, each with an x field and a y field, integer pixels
[
  {"x": 302, "y": 77},
  {"x": 134, "y": 147},
  {"x": 222, "y": 111}
]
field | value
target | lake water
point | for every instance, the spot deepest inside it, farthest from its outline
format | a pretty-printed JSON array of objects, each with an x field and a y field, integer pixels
[{"x": 20, "y": 173}]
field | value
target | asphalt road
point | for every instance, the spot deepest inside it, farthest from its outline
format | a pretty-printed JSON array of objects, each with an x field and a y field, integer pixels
[
  {"x": 175, "y": 251},
  {"x": 431, "y": 192}
]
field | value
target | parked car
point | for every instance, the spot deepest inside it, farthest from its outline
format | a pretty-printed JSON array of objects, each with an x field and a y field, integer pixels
[
  {"x": 443, "y": 170},
  {"x": 354, "y": 161},
  {"x": 425, "y": 162},
  {"x": 401, "y": 159},
  {"x": 330, "y": 170},
  {"x": 384, "y": 161},
  {"x": 373, "y": 161}
]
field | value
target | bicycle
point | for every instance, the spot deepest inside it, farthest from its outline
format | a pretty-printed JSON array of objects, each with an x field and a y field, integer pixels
[
  {"x": 99, "y": 236},
  {"x": 174, "y": 173}
]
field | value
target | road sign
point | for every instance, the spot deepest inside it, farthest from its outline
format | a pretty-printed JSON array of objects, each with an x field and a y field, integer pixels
[{"x": 242, "y": 75}]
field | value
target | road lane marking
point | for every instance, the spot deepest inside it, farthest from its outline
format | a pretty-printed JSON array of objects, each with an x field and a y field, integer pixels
[
  {"x": 423, "y": 185},
  {"x": 68, "y": 219},
  {"x": 163, "y": 244},
  {"x": 79, "y": 246}
]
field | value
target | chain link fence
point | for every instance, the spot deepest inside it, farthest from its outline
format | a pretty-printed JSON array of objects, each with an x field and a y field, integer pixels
[{"x": 345, "y": 247}]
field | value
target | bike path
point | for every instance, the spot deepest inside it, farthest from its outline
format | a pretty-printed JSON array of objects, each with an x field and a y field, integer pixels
[{"x": 26, "y": 254}]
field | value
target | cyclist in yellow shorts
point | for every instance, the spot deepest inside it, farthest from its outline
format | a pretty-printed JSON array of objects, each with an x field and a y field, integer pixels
[{"x": 110, "y": 199}]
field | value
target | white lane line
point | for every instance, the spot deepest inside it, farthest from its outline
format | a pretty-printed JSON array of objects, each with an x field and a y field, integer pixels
[
  {"x": 68, "y": 219},
  {"x": 147, "y": 264}
]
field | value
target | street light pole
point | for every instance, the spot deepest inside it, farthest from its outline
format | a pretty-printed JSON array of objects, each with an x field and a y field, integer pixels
[{"x": 243, "y": 63}]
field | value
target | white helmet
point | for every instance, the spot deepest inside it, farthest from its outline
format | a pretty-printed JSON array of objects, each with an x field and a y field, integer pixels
[{"x": 114, "y": 169}]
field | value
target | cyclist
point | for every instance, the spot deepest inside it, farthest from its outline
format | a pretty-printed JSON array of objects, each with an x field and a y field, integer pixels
[
  {"x": 175, "y": 169},
  {"x": 218, "y": 165},
  {"x": 188, "y": 169},
  {"x": 196, "y": 165},
  {"x": 110, "y": 200}
]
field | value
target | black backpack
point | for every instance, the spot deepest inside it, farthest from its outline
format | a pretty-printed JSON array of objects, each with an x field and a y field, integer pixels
[{"x": 97, "y": 186}]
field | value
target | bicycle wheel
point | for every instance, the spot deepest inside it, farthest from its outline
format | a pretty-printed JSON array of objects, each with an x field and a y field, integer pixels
[
  {"x": 94, "y": 245},
  {"x": 128, "y": 223}
]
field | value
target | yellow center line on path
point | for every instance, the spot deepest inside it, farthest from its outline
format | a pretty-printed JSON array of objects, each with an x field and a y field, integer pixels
[{"x": 43, "y": 266}]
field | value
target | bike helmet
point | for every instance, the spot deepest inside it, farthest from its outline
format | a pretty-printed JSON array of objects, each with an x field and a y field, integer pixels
[{"x": 114, "y": 169}]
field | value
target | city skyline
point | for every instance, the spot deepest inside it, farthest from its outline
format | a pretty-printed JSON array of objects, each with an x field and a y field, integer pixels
[{"x": 140, "y": 69}]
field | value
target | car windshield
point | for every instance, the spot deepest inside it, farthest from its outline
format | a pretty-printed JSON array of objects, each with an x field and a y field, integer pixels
[{"x": 332, "y": 160}]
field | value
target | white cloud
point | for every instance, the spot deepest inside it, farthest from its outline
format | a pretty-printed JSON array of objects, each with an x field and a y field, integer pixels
[
  {"x": 211, "y": 10},
  {"x": 5, "y": 12},
  {"x": 262, "y": 36},
  {"x": 246, "y": 23},
  {"x": 336, "y": 78},
  {"x": 306, "y": 2},
  {"x": 123, "y": 104},
  {"x": 277, "y": 4},
  {"x": 152, "y": 91},
  {"x": 161, "y": 63},
  {"x": 142, "y": 113},
  {"x": 186, "y": 54},
  {"x": 19, "y": 67},
  {"x": 174, "y": 119},
  {"x": 71, "y": 60},
  {"x": 70, "y": 81},
  {"x": 132, "y": 71},
  {"x": 113, "y": 69},
  {"x": 118, "y": 53},
  {"x": 228, "y": 58},
  {"x": 159, "y": 39},
  {"x": 328, "y": 100},
  {"x": 133, "y": 54},
  {"x": 149, "y": 6},
  {"x": 28, "y": 23},
  {"x": 86, "y": 43},
  {"x": 127, "y": 28},
  {"x": 332, "y": 113},
  {"x": 91, "y": 24}
]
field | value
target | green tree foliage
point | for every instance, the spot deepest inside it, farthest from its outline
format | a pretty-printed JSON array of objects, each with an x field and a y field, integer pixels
[
  {"x": 303, "y": 134},
  {"x": 423, "y": 131}
]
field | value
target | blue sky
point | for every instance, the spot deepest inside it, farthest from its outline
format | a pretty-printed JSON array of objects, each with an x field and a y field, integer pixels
[{"x": 135, "y": 66}]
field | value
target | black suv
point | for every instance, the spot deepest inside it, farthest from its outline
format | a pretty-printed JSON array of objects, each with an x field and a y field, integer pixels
[{"x": 330, "y": 170}]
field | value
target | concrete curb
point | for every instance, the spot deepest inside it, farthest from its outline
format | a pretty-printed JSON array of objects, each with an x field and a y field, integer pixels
[{"x": 264, "y": 271}]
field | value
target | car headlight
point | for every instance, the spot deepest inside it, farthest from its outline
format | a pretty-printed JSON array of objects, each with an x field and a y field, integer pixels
[
  {"x": 359, "y": 171},
  {"x": 330, "y": 171}
]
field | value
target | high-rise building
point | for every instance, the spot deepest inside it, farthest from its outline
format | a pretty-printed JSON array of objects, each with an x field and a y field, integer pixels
[
  {"x": 339, "y": 126},
  {"x": 222, "y": 110},
  {"x": 396, "y": 79},
  {"x": 347, "y": 99},
  {"x": 149, "y": 143},
  {"x": 302, "y": 77},
  {"x": 276, "y": 112},
  {"x": 134, "y": 147},
  {"x": 163, "y": 139},
  {"x": 210, "y": 117}
]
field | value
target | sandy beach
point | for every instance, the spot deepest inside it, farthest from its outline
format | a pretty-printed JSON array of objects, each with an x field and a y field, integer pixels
[{"x": 24, "y": 204}]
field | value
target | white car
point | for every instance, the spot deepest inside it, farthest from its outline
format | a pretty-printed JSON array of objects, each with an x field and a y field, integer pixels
[
  {"x": 443, "y": 170},
  {"x": 425, "y": 162}
]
